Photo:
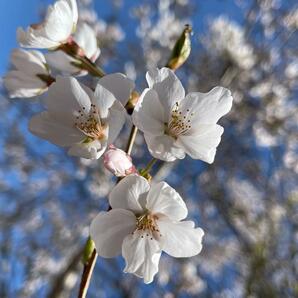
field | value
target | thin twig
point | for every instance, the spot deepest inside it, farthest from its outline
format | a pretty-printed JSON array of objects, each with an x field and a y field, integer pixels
[
  {"x": 131, "y": 139},
  {"x": 87, "y": 273},
  {"x": 73, "y": 49},
  {"x": 148, "y": 168}
]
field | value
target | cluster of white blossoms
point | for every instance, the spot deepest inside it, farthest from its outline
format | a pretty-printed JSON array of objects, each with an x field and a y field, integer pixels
[
  {"x": 227, "y": 38},
  {"x": 146, "y": 218}
]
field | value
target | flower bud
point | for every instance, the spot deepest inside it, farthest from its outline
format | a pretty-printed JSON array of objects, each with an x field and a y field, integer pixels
[
  {"x": 181, "y": 49},
  {"x": 88, "y": 250},
  {"x": 118, "y": 162}
]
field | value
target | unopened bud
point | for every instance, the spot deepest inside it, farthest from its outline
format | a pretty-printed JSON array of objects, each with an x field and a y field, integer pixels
[
  {"x": 88, "y": 250},
  {"x": 181, "y": 49},
  {"x": 118, "y": 162}
]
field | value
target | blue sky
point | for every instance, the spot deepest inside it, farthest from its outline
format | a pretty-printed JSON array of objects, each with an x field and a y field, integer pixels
[{"x": 15, "y": 13}]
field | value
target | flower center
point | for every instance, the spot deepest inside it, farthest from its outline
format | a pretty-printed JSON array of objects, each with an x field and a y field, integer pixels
[
  {"x": 147, "y": 222},
  {"x": 179, "y": 123},
  {"x": 91, "y": 124}
]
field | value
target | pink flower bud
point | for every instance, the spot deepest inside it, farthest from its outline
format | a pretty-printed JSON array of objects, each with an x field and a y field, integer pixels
[{"x": 118, "y": 162}]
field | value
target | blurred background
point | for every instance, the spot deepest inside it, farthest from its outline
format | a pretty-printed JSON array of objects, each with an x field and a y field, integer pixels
[{"x": 246, "y": 201}]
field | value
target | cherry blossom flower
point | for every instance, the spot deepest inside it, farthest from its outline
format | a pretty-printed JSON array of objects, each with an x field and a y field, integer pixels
[
  {"x": 227, "y": 38},
  {"x": 60, "y": 22},
  {"x": 118, "y": 162},
  {"x": 31, "y": 75},
  {"x": 85, "y": 37},
  {"x": 143, "y": 221},
  {"x": 175, "y": 125},
  {"x": 80, "y": 119}
]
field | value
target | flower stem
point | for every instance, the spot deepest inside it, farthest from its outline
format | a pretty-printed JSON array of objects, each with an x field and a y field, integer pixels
[
  {"x": 131, "y": 139},
  {"x": 91, "y": 67},
  {"x": 87, "y": 273},
  {"x": 73, "y": 49},
  {"x": 147, "y": 169}
]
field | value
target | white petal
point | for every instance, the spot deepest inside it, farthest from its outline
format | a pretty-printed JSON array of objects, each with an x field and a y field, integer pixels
[
  {"x": 202, "y": 145},
  {"x": 103, "y": 99},
  {"x": 58, "y": 24},
  {"x": 62, "y": 62},
  {"x": 167, "y": 85},
  {"x": 30, "y": 62},
  {"x": 29, "y": 39},
  {"x": 130, "y": 193},
  {"x": 85, "y": 37},
  {"x": 148, "y": 115},
  {"x": 119, "y": 85},
  {"x": 116, "y": 120},
  {"x": 20, "y": 84},
  {"x": 108, "y": 230},
  {"x": 164, "y": 148},
  {"x": 47, "y": 128},
  {"x": 207, "y": 108},
  {"x": 141, "y": 254},
  {"x": 164, "y": 199},
  {"x": 66, "y": 97},
  {"x": 89, "y": 150},
  {"x": 180, "y": 239},
  {"x": 74, "y": 9}
]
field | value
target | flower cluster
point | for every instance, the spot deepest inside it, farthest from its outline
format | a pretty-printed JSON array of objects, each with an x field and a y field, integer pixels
[
  {"x": 227, "y": 38},
  {"x": 146, "y": 218}
]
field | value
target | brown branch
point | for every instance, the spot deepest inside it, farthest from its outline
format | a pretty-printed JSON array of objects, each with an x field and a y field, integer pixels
[{"x": 86, "y": 275}]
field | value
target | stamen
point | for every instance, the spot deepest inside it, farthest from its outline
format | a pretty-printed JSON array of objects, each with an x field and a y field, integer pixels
[
  {"x": 147, "y": 222},
  {"x": 91, "y": 124},
  {"x": 179, "y": 123}
]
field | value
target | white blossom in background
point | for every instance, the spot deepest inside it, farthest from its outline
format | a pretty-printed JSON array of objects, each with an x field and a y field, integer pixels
[
  {"x": 167, "y": 27},
  {"x": 106, "y": 32},
  {"x": 143, "y": 221},
  {"x": 85, "y": 37},
  {"x": 109, "y": 32},
  {"x": 30, "y": 76},
  {"x": 291, "y": 70},
  {"x": 174, "y": 124},
  {"x": 263, "y": 137},
  {"x": 163, "y": 32},
  {"x": 192, "y": 283},
  {"x": 227, "y": 38},
  {"x": 60, "y": 22},
  {"x": 291, "y": 20},
  {"x": 246, "y": 198},
  {"x": 80, "y": 119}
]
